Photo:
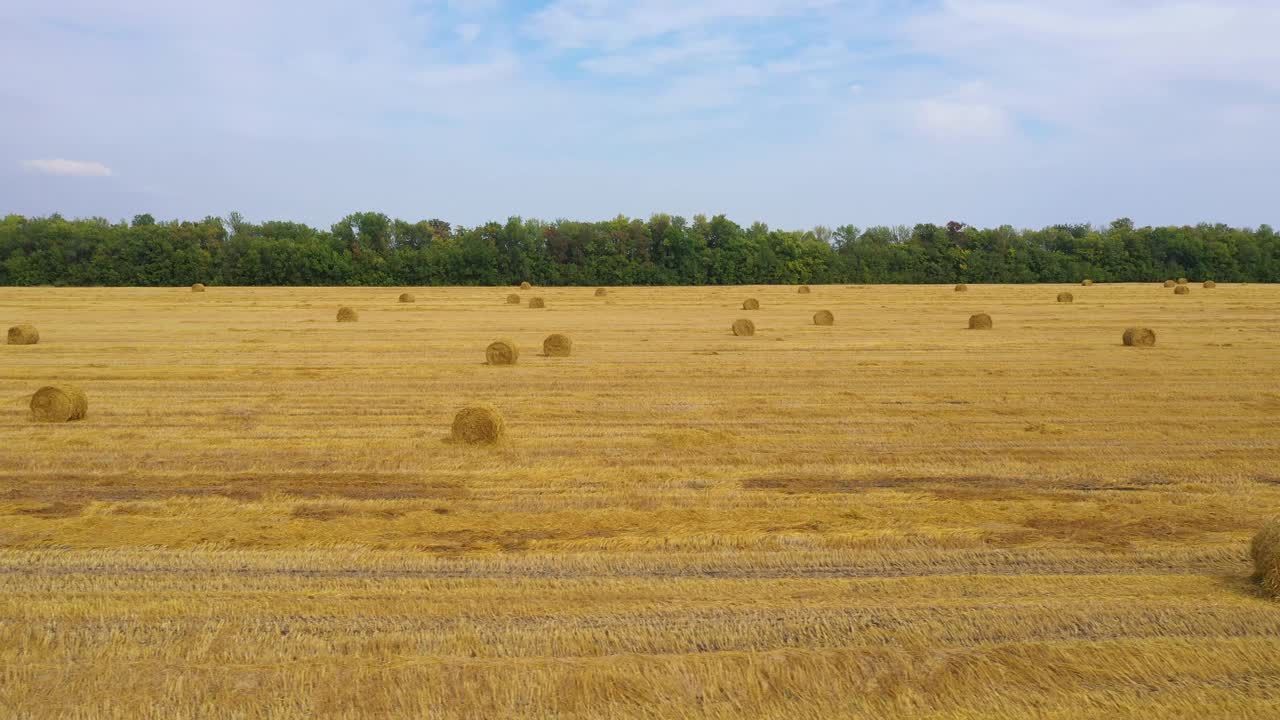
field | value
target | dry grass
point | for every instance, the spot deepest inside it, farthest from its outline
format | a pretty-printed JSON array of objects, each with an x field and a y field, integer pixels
[{"x": 891, "y": 517}]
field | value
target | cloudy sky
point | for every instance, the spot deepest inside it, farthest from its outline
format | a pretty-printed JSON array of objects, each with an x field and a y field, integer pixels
[{"x": 792, "y": 112}]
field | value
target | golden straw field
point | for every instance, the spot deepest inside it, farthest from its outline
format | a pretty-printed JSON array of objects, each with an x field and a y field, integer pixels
[{"x": 893, "y": 516}]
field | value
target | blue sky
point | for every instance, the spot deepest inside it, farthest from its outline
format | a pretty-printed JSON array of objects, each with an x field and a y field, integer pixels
[{"x": 795, "y": 113}]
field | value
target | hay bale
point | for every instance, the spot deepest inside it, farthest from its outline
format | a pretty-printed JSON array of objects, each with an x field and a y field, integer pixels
[
  {"x": 525, "y": 285},
  {"x": 1265, "y": 550},
  {"x": 1271, "y": 579},
  {"x": 537, "y": 302},
  {"x": 407, "y": 298},
  {"x": 751, "y": 304},
  {"x": 1169, "y": 283},
  {"x": 502, "y": 352},
  {"x": 346, "y": 314},
  {"x": 513, "y": 299},
  {"x": 1086, "y": 282},
  {"x": 63, "y": 403},
  {"x": 981, "y": 321},
  {"x": 803, "y": 289},
  {"x": 478, "y": 425},
  {"x": 1266, "y": 544},
  {"x": 962, "y": 288},
  {"x": 1209, "y": 284},
  {"x": 1182, "y": 290},
  {"x": 744, "y": 328},
  {"x": 824, "y": 317},
  {"x": 197, "y": 287},
  {"x": 1066, "y": 297},
  {"x": 1182, "y": 281},
  {"x": 601, "y": 292},
  {"x": 1139, "y": 337},
  {"x": 557, "y": 345},
  {"x": 24, "y": 334}
]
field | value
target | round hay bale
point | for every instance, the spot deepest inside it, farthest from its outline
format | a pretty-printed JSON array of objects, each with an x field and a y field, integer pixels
[
  {"x": 346, "y": 314},
  {"x": 24, "y": 334},
  {"x": 1182, "y": 290},
  {"x": 803, "y": 289},
  {"x": 513, "y": 299},
  {"x": 557, "y": 345},
  {"x": 407, "y": 298},
  {"x": 981, "y": 321},
  {"x": 1182, "y": 281},
  {"x": 1169, "y": 283},
  {"x": 744, "y": 328},
  {"x": 1271, "y": 578},
  {"x": 502, "y": 352},
  {"x": 751, "y": 304},
  {"x": 478, "y": 425},
  {"x": 601, "y": 292},
  {"x": 962, "y": 288},
  {"x": 1266, "y": 544},
  {"x": 824, "y": 317},
  {"x": 1139, "y": 337},
  {"x": 1209, "y": 284},
  {"x": 525, "y": 285},
  {"x": 1066, "y": 297},
  {"x": 537, "y": 302},
  {"x": 197, "y": 287},
  {"x": 63, "y": 403},
  {"x": 1265, "y": 551},
  {"x": 1086, "y": 282}
]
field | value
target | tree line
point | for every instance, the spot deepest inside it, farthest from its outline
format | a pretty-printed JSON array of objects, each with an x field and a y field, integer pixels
[{"x": 370, "y": 248}]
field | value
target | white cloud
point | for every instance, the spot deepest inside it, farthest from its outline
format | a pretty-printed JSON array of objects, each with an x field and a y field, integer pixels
[
  {"x": 952, "y": 120},
  {"x": 660, "y": 60},
  {"x": 619, "y": 23},
  {"x": 1087, "y": 63},
  {"x": 292, "y": 108},
  {"x": 73, "y": 168}
]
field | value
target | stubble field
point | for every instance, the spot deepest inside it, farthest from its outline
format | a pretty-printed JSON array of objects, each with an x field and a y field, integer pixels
[{"x": 891, "y": 517}]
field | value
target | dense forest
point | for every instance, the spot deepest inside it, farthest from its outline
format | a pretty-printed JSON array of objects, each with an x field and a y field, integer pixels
[{"x": 372, "y": 249}]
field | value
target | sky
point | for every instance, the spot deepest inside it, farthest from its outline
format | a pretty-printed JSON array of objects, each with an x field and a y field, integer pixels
[{"x": 791, "y": 112}]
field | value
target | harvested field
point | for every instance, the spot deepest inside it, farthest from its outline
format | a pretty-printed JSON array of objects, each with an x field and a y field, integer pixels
[{"x": 892, "y": 516}]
